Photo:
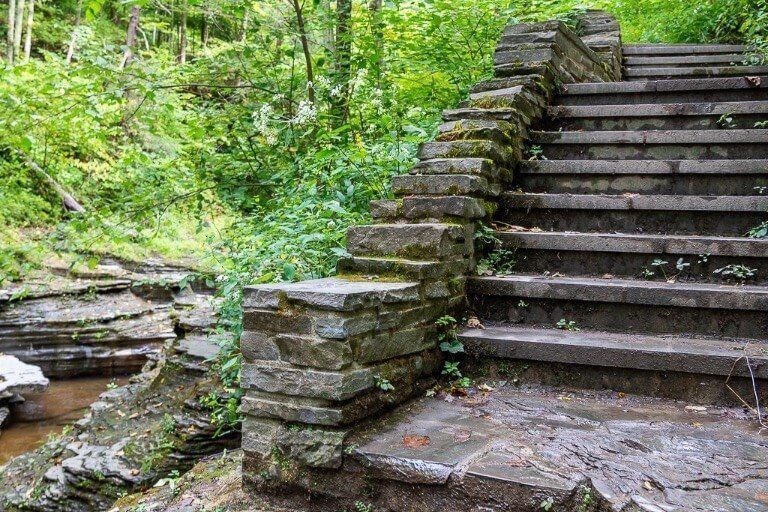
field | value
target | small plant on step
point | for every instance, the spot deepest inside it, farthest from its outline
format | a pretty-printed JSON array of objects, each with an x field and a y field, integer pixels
[
  {"x": 660, "y": 266},
  {"x": 739, "y": 273},
  {"x": 586, "y": 499},
  {"x": 567, "y": 325},
  {"x": 450, "y": 343},
  {"x": 535, "y": 153},
  {"x": 383, "y": 384},
  {"x": 446, "y": 335},
  {"x": 547, "y": 504},
  {"x": 760, "y": 231},
  {"x": 500, "y": 262},
  {"x": 726, "y": 121},
  {"x": 761, "y": 124}
]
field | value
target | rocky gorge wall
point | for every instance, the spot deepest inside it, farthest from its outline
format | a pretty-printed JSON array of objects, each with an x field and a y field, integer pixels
[{"x": 322, "y": 357}]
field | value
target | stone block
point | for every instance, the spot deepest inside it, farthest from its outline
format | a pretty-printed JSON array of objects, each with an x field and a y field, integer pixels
[
  {"x": 344, "y": 325},
  {"x": 296, "y": 409},
  {"x": 441, "y": 166},
  {"x": 258, "y": 345},
  {"x": 465, "y": 149},
  {"x": 334, "y": 293},
  {"x": 392, "y": 344},
  {"x": 411, "y": 241},
  {"x": 274, "y": 321},
  {"x": 312, "y": 447},
  {"x": 287, "y": 380},
  {"x": 439, "y": 207},
  {"x": 314, "y": 352},
  {"x": 445, "y": 185},
  {"x": 260, "y": 434},
  {"x": 478, "y": 129}
]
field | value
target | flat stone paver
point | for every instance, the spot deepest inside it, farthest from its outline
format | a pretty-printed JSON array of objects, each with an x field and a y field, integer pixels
[{"x": 636, "y": 453}]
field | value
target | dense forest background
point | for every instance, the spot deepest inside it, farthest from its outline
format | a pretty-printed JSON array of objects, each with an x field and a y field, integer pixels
[{"x": 244, "y": 137}]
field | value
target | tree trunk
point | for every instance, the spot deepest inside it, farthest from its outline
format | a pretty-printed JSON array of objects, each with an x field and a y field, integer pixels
[
  {"x": 342, "y": 66},
  {"x": 244, "y": 26},
  {"x": 11, "y": 30},
  {"x": 204, "y": 31},
  {"x": 30, "y": 23},
  {"x": 19, "y": 25},
  {"x": 130, "y": 38},
  {"x": 73, "y": 39},
  {"x": 378, "y": 34},
  {"x": 70, "y": 203},
  {"x": 183, "y": 33},
  {"x": 305, "y": 48}
]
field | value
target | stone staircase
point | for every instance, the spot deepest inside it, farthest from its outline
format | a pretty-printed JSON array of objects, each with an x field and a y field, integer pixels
[{"x": 636, "y": 193}]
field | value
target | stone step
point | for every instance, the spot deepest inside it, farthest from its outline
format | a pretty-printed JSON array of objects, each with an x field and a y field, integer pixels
[
  {"x": 697, "y": 355},
  {"x": 684, "y": 60},
  {"x": 659, "y": 116},
  {"x": 682, "y": 49},
  {"x": 655, "y": 73},
  {"x": 631, "y": 255},
  {"x": 714, "y": 215},
  {"x": 623, "y": 305},
  {"x": 696, "y": 90},
  {"x": 653, "y": 144},
  {"x": 684, "y": 177},
  {"x": 516, "y": 447},
  {"x": 691, "y": 368}
]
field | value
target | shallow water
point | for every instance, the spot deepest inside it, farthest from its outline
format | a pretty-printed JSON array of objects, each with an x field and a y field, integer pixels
[{"x": 44, "y": 413}]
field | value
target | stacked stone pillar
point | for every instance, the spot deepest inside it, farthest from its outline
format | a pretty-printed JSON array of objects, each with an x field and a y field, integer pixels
[{"x": 323, "y": 357}]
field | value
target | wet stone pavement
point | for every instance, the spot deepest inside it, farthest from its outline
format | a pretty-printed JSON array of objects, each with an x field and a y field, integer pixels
[{"x": 607, "y": 450}]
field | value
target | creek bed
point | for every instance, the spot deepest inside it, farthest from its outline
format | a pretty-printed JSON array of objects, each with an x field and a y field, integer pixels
[{"x": 47, "y": 412}]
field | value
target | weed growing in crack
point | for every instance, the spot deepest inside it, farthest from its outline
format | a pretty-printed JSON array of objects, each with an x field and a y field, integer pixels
[
  {"x": 500, "y": 262},
  {"x": 383, "y": 384},
  {"x": 535, "y": 153},
  {"x": 450, "y": 343},
  {"x": 567, "y": 325},
  {"x": 758, "y": 231},
  {"x": 739, "y": 273}
]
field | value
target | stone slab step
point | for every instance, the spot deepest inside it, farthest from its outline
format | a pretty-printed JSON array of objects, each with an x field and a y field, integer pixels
[
  {"x": 683, "y": 177},
  {"x": 669, "y": 203},
  {"x": 628, "y": 291},
  {"x": 733, "y": 167},
  {"x": 677, "y": 245},
  {"x": 665, "y": 91},
  {"x": 632, "y": 255},
  {"x": 660, "y": 109},
  {"x": 630, "y": 213},
  {"x": 749, "y": 136},
  {"x": 684, "y": 60},
  {"x": 659, "y": 116},
  {"x": 708, "y": 71},
  {"x": 623, "y": 305},
  {"x": 681, "y": 49},
  {"x": 618, "y": 350},
  {"x": 653, "y": 144},
  {"x": 516, "y": 446}
]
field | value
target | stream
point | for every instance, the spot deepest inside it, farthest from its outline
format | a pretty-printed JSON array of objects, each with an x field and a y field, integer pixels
[{"x": 47, "y": 412}]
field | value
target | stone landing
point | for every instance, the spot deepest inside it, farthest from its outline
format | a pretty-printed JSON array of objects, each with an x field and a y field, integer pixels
[{"x": 531, "y": 448}]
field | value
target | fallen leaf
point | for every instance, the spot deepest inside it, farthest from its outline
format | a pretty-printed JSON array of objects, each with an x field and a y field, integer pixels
[
  {"x": 648, "y": 485},
  {"x": 416, "y": 441},
  {"x": 697, "y": 408},
  {"x": 474, "y": 323},
  {"x": 484, "y": 387},
  {"x": 134, "y": 472},
  {"x": 462, "y": 436}
]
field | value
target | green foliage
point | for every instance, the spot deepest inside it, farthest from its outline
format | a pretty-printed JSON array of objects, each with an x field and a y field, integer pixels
[
  {"x": 739, "y": 273},
  {"x": 236, "y": 161},
  {"x": 383, "y": 384}
]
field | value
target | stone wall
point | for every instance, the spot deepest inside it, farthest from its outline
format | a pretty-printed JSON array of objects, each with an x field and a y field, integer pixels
[{"x": 323, "y": 356}]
